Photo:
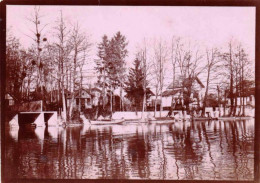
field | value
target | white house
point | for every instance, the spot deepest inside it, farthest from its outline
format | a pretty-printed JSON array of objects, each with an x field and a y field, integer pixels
[
  {"x": 174, "y": 92},
  {"x": 248, "y": 100}
]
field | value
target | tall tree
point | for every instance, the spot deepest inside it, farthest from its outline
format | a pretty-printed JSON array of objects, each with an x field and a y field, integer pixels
[
  {"x": 62, "y": 51},
  {"x": 15, "y": 67},
  {"x": 80, "y": 45},
  {"x": 134, "y": 86},
  {"x": 101, "y": 67},
  {"x": 228, "y": 58},
  {"x": 211, "y": 67},
  {"x": 243, "y": 65},
  {"x": 38, "y": 38},
  {"x": 145, "y": 70},
  {"x": 189, "y": 64},
  {"x": 159, "y": 69},
  {"x": 115, "y": 64}
]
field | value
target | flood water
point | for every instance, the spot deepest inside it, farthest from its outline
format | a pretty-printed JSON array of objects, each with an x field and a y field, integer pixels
[{"x": 210, "y": 150}]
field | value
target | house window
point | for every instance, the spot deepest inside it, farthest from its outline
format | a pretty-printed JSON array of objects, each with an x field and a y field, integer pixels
[
  {"x": 88, "y": 101},
  {"x": 11, "y": 102},
  {"x": 77, "y": 101}
]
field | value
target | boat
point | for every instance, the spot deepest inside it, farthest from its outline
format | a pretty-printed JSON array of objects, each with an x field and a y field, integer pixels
[
  {"x": 233, "y": 118},
  {"x": 161, "y": 120},
  {"x": 106, "y": 121},
  {"x": 203, "y": 119},
  {"x": 101, "y": 121}
]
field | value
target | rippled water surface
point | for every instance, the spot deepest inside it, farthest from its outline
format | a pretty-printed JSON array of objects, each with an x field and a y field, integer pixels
[{"x": 211, "y": 150}]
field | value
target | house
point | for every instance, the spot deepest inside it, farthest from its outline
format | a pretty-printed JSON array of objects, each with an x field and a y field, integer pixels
[
  {"x": 9, "y": 100},
  {"x": 82, "y": 100},
  {"x": 95, "y": 94},
  {"x": 174, "y": 93},
  {"x": 85, "y": 99},
  {"x": 249, "y": 99}
]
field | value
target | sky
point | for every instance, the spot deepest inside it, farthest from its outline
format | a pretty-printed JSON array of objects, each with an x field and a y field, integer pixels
[{"x": 209, "y": 26}]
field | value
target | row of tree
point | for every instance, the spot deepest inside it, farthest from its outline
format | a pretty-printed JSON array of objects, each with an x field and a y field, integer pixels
[
  {"x": 228, "y": 71},
  {"x": 48, "y": 69},
  {"x": 51, "y": 68}
]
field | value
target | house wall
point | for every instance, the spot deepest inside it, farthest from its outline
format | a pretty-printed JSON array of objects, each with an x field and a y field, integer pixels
[
  {"x": 87, "y": 105},
  {"x": 250, "y": 100},
  {"x": 167, "y": 101},
  {"x": 249, "y": 111}
]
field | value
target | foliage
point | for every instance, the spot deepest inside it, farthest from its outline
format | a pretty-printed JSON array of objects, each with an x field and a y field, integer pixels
[{"x": 134, "y": 85}]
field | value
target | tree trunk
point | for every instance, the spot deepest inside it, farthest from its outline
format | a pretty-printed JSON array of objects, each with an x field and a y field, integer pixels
[
  {"x": 231, "y": 81},
  {"x": 144, "y": 104},
  {"x": 155, "y": 104},
  {"x": 161, "y": 106},
  {"x": 74, "y": 81},
  {"x": 111, "y": 102},
  {"x": 225, "y": 100},
  {"x": 206, "y": 94},
  {"x": 64, "y": 106},
  {"x": 121, "y": 97}
]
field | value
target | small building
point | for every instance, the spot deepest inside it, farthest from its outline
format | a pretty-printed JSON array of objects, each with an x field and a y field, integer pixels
[
  {"x": 95, "y": 95},
  {"x": 82, "y": 100},
  {"x": 85, "y": 99},
  {"x": 249, "y": 99},
  {"x": 9, "y": 100},
  {"x": 174, "y": 93}
]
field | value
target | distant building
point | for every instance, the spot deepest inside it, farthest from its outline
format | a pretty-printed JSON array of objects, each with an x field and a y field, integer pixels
[
  {"x": 85, "y": 99},
  {"x": 249, "y": 99},
  {"x": 9, "y": 100}
]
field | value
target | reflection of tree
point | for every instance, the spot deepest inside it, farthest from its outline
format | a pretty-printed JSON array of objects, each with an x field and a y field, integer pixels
[
  {"x": 209, "y": 148},
  {"x": 138, "y": 154},
  {"x": 147, "y": 153},
  {"x": 185, "y": 150}
]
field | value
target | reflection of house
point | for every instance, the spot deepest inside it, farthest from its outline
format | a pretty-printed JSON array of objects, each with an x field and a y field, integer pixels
[
  {"x": 85, "y": 99},
  {"x": 9, "y": 100},
  {"x": 174, "y": 93}
]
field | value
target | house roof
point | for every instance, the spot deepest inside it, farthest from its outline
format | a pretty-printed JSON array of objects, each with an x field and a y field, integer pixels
[
  {"x": 77, "y": 94},
  {"x": 8, "y": 96},
  {"x": 250, "y": 91},
  {"x": 170, "y": 92},
  {"x": 94, "y": 89},
  {"x": 177, "y": 83}
]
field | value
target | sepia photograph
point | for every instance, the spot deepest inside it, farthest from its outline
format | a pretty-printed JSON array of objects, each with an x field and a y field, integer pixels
[{"x": 130, "y": 92}]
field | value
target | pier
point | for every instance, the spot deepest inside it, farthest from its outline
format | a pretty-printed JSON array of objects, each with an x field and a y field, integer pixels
[{"x": 39, "y": 119}]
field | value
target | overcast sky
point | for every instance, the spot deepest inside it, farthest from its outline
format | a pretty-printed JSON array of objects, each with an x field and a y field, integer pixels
[{"x": 209, "y": 26}]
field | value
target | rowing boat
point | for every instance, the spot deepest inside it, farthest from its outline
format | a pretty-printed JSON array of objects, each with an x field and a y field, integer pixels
[
  {"x": 203, "y": 118},
  {"x": 161, "y": 120},
  {"x": 101, "y": 122},
  {"x": 106, "y": 122}
]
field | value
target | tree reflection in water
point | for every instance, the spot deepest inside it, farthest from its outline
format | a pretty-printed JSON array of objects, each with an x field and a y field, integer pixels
[{"x": 211, "y": 150}]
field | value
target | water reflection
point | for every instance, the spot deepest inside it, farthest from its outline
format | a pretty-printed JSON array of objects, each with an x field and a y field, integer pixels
[{"x": 210, "y": 150}]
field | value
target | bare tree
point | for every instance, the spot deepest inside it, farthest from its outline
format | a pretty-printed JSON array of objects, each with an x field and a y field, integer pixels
[
  {"x": 36, "y": 20},
  {"x": 189, "y": 64},
  {"x": 174, "y": 46},
  {"x": 228, "y": 58},
  {"x": 80, "y": 46},
  {"x": 243, "y": 64},
  {"x": 212, "y": 60},
  {"x": 63, "y": 49},
  {"x": 143, "y": 57},
  {"x": 159, "y": 69}
]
